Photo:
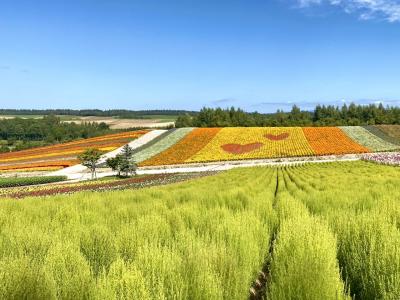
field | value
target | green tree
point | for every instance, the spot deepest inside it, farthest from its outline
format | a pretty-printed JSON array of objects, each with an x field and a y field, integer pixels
[
  {"x": 115, "y": 164},
  {"x": 90, "y": 159},
  {"x": 4, "y": 149},
  {"x": 183, "y": 121}
]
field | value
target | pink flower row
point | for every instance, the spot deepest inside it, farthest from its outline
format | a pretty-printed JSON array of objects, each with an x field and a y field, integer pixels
[{"x": 384, "y": 158}]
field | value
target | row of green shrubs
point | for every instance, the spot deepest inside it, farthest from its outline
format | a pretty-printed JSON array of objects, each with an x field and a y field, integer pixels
[{"x": 23, "y": 181}]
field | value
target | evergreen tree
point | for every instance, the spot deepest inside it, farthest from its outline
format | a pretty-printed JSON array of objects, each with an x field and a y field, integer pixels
[
  {"x": 123, "y": 162},
  {"x": 127, "y": 164}
]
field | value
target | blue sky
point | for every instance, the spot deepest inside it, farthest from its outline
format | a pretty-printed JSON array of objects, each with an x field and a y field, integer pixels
[{"x": 258, "y": 55}]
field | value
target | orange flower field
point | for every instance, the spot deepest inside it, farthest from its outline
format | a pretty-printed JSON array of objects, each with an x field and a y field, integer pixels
[
  {"x": 331, "y": 140},
  {"x": 62, "y": 155}
]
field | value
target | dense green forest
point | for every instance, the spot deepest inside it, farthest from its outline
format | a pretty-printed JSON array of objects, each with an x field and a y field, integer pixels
[
  {"x": 121, "y": 113},
  {"x": 321, "y": 116},
  {"x": 19, "y": 134}
]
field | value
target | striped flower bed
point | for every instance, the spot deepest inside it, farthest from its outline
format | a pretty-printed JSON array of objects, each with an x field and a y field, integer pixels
[
  {"x": 63, "y": 155},
  {"x": 368, "y": 139},
  {"x": 391, "y": 130},
  {"x": 161, "y": 145},
  {"x": 382, "y": 134},
  {"x": 222, "y": 144},
  {"x": 185, "y": 148},
  {"x": 106, "y": 184}
]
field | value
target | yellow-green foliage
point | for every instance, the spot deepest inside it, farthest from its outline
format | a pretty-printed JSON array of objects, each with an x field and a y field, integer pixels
[
  {"x": 322, "y": 231},
  {"x": 360, "y": 201},
  {"x": 205, "y": 239},
  {"x": 304, "y": 263}
]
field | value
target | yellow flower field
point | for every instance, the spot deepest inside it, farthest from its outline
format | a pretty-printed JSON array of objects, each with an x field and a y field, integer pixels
[{"x": 254, "y": 143}]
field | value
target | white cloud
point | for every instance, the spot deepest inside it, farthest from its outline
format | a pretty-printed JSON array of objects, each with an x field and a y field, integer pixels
[
  {"x": 308, "y": 3},
  {"x": 388, "y": 10}
]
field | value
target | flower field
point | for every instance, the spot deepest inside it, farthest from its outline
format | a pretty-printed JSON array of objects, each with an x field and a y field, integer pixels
[
  {"x": 200, "y": 145},
  {"x": 234, "y": 143},
  {"x": 253, "y": 143},
  {"x": 184, "y": 149},
  {"x": 384, "y": 158},
  {"x": 62, "y": 155},
  {"x": 391, "y": 130},
  {"x": 368, "y": 139},
  {"x": 331, "y": 140},
  {"x": 162, "y": 144},
  {"x": 312, "y": 231},
  {"x": 379, "y": 132},
  {"x": 105, "y": 184}
]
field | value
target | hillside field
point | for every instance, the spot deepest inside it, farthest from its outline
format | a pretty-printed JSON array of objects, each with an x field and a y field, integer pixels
[
  {"x": 321, "y": 231},
  {"x": 199, "y": 145},
  {"x": 202, "y": 145}
]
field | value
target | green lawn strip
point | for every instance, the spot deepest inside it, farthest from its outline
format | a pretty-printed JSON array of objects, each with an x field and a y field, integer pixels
[{"x": 26, "y": 181}]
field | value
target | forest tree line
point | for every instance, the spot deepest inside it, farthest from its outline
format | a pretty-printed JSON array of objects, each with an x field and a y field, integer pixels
[
  {"x": 322, "y": 115},
  {"x": 19, "y": 134}
]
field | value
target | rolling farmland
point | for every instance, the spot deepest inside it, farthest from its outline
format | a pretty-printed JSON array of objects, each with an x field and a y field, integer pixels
[
  {"x": 321, "y": 231},
  {"x": 200, "y": 150},
  {"x": 62, "y": 155},
  {"x": 202, "y": 145}
]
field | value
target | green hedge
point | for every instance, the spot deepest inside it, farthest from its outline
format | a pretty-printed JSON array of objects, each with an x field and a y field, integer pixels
[{"x": 22, "y": 181}]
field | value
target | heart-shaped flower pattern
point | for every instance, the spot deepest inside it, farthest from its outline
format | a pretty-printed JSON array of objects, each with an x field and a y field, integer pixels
[
  {"x": 241, "y": 149},
  {"x": 278, "y": 137}
]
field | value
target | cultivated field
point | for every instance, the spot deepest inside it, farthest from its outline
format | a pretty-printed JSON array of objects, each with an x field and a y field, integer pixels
[
  {"x": 323, "y": 231},
  {"x": 202, "y": 145},
  {"x": 117, "y": 123},
  {"x": 62, "y": 155},
  {"x": 199, "y": 145},
  {"x": 149, "y": 121}
]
